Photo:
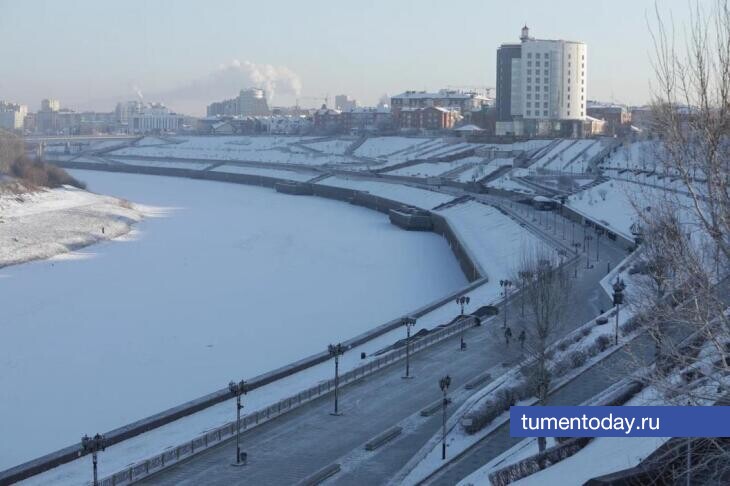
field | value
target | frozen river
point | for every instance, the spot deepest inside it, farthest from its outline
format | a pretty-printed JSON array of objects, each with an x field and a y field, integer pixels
[{"x": 232, "y": 282}]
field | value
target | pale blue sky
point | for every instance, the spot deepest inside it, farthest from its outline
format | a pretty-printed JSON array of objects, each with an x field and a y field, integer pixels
[{"x": 91, "y": 53}]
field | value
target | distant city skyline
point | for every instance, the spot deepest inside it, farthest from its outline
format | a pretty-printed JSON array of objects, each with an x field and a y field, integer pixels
[{"x": 92, "y": 54}]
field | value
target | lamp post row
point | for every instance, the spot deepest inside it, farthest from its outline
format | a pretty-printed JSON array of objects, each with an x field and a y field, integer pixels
[{"x": 97, "y": 443}]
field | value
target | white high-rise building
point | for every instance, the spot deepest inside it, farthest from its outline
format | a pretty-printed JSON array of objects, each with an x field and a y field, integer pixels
[
  {"x": 541, "y": 86},
  {"x": 12, "y": 115}
]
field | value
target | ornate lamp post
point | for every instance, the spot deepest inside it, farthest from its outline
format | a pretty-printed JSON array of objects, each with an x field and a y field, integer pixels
[
  {"x": 93, "y": 445},
  {"x": 599, "y": 232},
  {"x": 462, "y": 301},
  {"x": 587, "y": 239},
  {"x": 505, "y": 284},
  {"x": 444, "y": 384},
  {"x": 525, "y": 276},
  {"x": 618, "y": 299},
  {"x": 336, "y": 350},
  {"x": 238, "y": 389},
  {"x": 576, "y": 245},
  {"x": 408, "y": 322},
  {"x": 563, "y": 200}
]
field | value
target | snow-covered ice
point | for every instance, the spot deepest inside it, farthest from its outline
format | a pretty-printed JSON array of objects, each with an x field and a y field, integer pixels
[{"x": 200, "y": 297}]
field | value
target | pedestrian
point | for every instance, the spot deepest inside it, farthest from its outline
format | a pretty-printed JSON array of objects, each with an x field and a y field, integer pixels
[
  {"x": 522, "y": 338},
  {"x": 507, "y": 335}
]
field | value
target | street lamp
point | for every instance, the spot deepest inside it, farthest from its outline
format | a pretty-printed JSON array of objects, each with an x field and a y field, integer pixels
[
  {"x": 462, "y": 301},
  {"x": 587, "y": 239},
  {"x": 505, "y": 284},
  {"x": 599, "y": 232},
  {"x": 525, "y": 276},
  {"x": 576, "y": 245},
  {"x": 409, "y": 322},
  {"x": 93, "y": 445},
  {"x": 444, "y": 385},
  {"x": 563, "y": 200},
  {"x": 336, "y": 350},
  {"x": 618, "y": 299},
  {"x": 238, "y": 389}
]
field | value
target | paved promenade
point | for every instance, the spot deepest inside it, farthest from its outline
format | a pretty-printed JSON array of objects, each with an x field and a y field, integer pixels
[{"x": 290, "y": 448}]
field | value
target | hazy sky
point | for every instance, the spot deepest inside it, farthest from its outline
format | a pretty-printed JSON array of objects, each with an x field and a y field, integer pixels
[{"x": 90, "y": 54}]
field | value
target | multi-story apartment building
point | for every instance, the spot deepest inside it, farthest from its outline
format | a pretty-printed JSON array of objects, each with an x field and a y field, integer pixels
[
  {"x": 49, "y": 104},
  {"x": 617, "y": 117},
  {"x": 429, "y": 118},
  {"x": 460, "y": 102},
  {"x": 541, "y": 87},
  {"x": 345, "y": 103},
  {"x": 249, "y": 102},
  {"x": 367, "y": 119},
  {"x": 12, "y": 115}
]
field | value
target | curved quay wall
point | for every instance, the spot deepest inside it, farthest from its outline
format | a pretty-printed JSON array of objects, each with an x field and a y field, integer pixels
[{"x": 469, "y": 266}]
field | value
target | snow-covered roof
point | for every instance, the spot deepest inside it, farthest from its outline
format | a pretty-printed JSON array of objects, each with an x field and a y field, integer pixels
[
  {"x": 469, "y": 128},
  {"x": 442, "y": 94},
  {"x": 368, "y": 109},
  {"x": 604, "y": 104}
]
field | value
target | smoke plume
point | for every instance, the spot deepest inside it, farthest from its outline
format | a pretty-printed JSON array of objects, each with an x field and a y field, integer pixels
[{"x": 226, "y": 81}]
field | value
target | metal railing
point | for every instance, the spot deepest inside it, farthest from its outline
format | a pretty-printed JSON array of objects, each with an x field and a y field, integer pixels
[{"x": 168, "y": 458}]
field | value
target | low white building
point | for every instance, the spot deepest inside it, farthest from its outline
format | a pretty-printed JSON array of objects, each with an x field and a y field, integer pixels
[{"x": 154, "y": 117}]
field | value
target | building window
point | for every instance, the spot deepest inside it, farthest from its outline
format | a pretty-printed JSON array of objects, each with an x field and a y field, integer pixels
[
  {"x": 545, "y": 104},
  {"x": 544, "y": 113},
  {"x": 529, "y": 112},
  {"x": 545, "y": 72},
  {"x": 537, "y": 96},
  {"x": 569, "y": 106},
  {"x": 546, "y": 80},
  {"x": 529, "y": 55},
  {"x": 529, "y": 88},
  {"x": 582, "y": 113},
  {"x": 528, "y": 104},
  {"x": 529, "y": 71},
  {"x": 537, "y": 55},
  {"x": 529, "y": 63},
  {"x": 537, "y": 63},
  {"x": 529, "y": 96},
  {"x": 537, "y": 87}
]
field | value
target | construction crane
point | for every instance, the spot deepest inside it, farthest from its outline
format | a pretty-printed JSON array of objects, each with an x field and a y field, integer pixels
[{"x": 324, "y": 98}]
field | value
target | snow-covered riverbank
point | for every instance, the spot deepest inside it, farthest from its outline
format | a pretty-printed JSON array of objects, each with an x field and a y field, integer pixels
[{"x": 45, "y": 223}]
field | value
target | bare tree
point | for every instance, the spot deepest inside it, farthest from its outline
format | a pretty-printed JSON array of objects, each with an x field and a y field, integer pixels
[
  {"x": 683, "y": 294},
  {"x": 11, "y": 147},
  {"x": 546, "y": 288}
]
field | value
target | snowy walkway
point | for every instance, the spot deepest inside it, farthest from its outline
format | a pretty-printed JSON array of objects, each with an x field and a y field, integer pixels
[{"x": 297, "y": 444}]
